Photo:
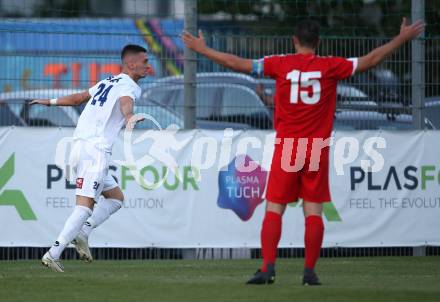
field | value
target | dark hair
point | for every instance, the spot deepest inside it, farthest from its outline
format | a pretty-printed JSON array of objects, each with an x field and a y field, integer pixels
[
  {"x": 307, "y": 32},
  {"x": 131, "y": 49}
]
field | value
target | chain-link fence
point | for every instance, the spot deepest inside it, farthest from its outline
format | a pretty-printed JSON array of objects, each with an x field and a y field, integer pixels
[
  {"x": 70, "y": 54},
  {"x": 53, "y": 48},
  {"x": 154, "y": 253}
]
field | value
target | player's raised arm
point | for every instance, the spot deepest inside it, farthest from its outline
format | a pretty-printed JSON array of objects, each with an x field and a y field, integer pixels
[
  {"x": 407, "y": 33},
  {"x": 68, "y": 100},
  {"x": 227, "y": 60},
  {"x": 127, "y": 110}
]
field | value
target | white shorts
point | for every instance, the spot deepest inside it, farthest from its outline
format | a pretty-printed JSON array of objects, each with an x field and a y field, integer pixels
[{"x": 90, "y": 166}]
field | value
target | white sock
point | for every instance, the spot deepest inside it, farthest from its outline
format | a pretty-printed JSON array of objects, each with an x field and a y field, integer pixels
[
  {"x": 102, "y": 211},
  {"x": 71, "y": 228}
]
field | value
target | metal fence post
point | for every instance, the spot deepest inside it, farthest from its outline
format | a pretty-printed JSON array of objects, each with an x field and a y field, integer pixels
[
  {"x": 190, "y": 66},
  {"x": 418, "y": 68},
  {"x": 189, "y": 254},
  {"x": 419, "y": 251},
  {"x": 189, "y": 78}
]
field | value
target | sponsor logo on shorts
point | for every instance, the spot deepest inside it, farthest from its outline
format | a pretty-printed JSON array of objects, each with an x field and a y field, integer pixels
[{"x": 79, "y": 183}]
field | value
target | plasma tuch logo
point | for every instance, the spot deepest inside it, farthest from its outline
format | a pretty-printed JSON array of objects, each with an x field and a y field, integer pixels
[{"x": 241, "y": 191}]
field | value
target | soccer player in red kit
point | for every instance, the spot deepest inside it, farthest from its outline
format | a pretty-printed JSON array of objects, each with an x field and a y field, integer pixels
[{"x": 305, "y": 103}]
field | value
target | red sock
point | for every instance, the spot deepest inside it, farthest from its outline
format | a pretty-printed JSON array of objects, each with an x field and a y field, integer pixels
[
  {"x": 270, "y": 236},
  {"x": 313, "y": 240}
]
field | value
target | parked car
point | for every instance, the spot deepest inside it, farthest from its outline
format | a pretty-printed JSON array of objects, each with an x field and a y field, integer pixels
[
  {"x": 18, "y": 111},
  {"x": 432, "y": 110},
  {"x": 382, "y": 85},
  {"x": 164, "y": 117},
  {"x": 217, "y": 101},
  {"x": 8, "y": 117},
  {"x": 371, "y": 120},
  {"x": 214, "y": 77},
  {"x": 347, "y": 95}
]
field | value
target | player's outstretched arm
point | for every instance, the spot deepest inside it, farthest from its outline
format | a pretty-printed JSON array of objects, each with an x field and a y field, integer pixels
[
  {"x": 68, "y": 100},
  {"x": 127, "y": 110},
  {"x": 227, "y": 60},
  {"x": 407, "y": 33}
]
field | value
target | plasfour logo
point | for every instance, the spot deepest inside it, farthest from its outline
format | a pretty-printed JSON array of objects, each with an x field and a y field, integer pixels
[{"x": 14, "y": 198}]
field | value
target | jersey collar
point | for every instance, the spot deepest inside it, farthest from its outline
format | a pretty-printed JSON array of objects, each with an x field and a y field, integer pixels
[{"x": 126, "y": 76}]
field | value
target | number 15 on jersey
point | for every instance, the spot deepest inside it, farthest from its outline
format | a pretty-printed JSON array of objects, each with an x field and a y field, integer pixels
[{"x": 300, "y": 80}]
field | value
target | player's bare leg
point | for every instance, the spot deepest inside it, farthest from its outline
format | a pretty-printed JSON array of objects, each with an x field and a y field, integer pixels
[
  {"x": 102, "y": 211},
  {"x": 270, "y": 237},
  {"x": 72, "y": 226},
  {"x": 314, "y": 233}
]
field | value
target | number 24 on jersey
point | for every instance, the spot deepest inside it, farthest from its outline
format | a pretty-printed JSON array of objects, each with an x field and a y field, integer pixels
[{"x": 101, "y": 95}]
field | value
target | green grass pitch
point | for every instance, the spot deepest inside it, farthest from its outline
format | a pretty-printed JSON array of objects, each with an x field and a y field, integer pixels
[{"x": 345, "y": 279}]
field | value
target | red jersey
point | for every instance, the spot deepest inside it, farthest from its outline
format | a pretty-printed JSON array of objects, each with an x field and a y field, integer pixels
[{"x": 305, "y": 97}]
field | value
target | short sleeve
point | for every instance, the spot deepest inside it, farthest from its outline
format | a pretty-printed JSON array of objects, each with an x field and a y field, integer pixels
[
  {"x": 272, "y": 66},
  {"x": 342, "y": 68},
  {"x": 130, "y": 91}
]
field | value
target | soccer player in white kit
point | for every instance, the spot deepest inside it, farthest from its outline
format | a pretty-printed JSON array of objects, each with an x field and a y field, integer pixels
[{"x": 109, "y": 107}]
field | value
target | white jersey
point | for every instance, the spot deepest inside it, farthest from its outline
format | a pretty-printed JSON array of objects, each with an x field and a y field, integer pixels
[{"x": 102, "y": 118}]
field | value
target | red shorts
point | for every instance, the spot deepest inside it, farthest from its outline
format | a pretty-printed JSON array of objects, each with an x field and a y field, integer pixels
[{"x": 285, "y": 187}]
